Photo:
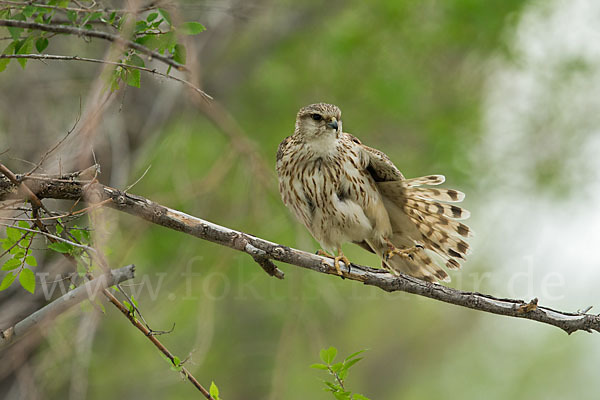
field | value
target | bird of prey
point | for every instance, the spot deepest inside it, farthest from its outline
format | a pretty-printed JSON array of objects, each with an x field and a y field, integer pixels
[{"x": 344, "y": 191}]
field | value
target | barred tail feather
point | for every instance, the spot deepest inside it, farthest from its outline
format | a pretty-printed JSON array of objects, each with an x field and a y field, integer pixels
[{"x": 419, "y": 216}]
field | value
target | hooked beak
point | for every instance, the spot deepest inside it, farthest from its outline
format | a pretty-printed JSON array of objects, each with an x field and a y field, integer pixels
[{"x": 333, "y": 124}]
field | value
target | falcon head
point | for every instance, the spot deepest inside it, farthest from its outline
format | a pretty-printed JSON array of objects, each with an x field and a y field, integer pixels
[{"x": 319, "y": 120}]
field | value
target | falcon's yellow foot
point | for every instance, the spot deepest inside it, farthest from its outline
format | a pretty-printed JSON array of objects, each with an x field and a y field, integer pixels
[
  {"x": 405, "y": 253},
  {"x": 336, "y": 260}
]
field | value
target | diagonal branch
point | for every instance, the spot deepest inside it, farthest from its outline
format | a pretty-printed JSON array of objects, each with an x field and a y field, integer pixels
[
  {"x": 58, "y": 187},
  {"x": 93, "y": 34}
]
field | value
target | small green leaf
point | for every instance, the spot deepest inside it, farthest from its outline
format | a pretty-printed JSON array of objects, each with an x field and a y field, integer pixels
[
  {"x": 354, "y": 355},
  {"x": 328, "y": 355},
  {"x": 13, "y": 234},
  {"x": 151, "y": 17},
  {"x": 61, "y": 247},
  {"x": 357, "y": 396},
  {"x": 7, "y": 281},
  {"x": 11, "y": 264},
  {"x": 348, "y": 364},
  {"x": 134, "y": 77},
  {"x": 15, "y": 33},
  {"x": 140, "y": 26},
  {"x": 136, "y": 60},
  {"x": 176, "y": 361},
  {"x": 17, "y": 252},
  {"x": 41, "y": 44},
  {"x": 319, "y": 366},
  {"x": 29, "y": 11},
  {"x": 337, "y": 367},
  {"x": 192, "y": 28},
  {"x": 76, "y": 233},
  {"x": 180, "y": 54},
  {"x": 25, "y": 48},
  {"x": 71, "y": 16},
  {"x": 31, "y": 261},
  {"x": 27, "y": 280},
  {"x": 23, "y": 224},
  {"x": 135, "y": 303},
  {"x": 214, "y": 391},
  {"x": 59, "y": 228},
  {"x": 165, "y": 14},
  {"x": 10, "y": 49}
]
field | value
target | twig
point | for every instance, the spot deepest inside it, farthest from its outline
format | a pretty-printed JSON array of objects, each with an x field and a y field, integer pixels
[
  {"x": 156, "y": 343},
  {"x": 173, "y": 219},
  {"x": 76, "y": 9},
  {"x": 93, "y": 34},
  {"x": 87, "y": 291},
  {"x": 98, "y": 61}
]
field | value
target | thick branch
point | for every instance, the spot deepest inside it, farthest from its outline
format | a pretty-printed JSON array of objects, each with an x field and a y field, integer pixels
[
  {"x": 95, "y": 34},
  {"x": 66, "y": 187},
  {"x": 87, "y": 291}
]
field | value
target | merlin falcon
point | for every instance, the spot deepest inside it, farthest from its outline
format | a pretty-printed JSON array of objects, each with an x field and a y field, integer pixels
[{"x": 344, "y": 191}]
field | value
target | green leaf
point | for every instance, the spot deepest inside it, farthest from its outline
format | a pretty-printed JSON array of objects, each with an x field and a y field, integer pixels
[
  {"x": 134, "y": 77},
  {"x": 337, "y": 367},
  {"x": 192, "y": 28},
  {"x": 342, "y": 395},
  {"x": 27, "y": 280},
  {"x": 151, "y": 17},
  {"x": 140, "y": 26},
  {"x": 23, "y": 224},
  {"x": 26, "y": 48},
  {"x": 76, "y": 233},
  {"x": 354, "y": 355},
  {"x": 59, "y": 228},
  {"x": 350, "y": 363},
  {"x": 10, "y": 49},
  {"x": 29, "y": 11},
  {"x": 214, "y": 391},
  {"x": 176, "y": 360},
  {"x": 17, "y": 252},
  {"x": 328, "y": 355},
  {"x": 7, "y": 281},
  {"x": 15, "y": 33},
  {"x": 136, "y": 60},
  {"x": 357, "y": 396},
  {"x": 31, "y": 261},
  {"x": 61, "y": 247},
  {"x": 41, "y": 44},
  {"x": 135, "y": 303},
  {"x": 13, "y": 234},
  {"x": 11, "y": 264},
  {"x": 71, "y": 16},
  {"x": 180, "y": 54},
  {"x": 165, "y": 14},
  {"x": 319, "y": 366}
]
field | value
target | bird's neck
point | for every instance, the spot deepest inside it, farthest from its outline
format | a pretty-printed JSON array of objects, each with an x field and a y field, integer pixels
[{"x": 322, "y": 146}]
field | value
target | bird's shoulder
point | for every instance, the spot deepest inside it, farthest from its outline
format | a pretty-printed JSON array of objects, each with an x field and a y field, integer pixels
[{"x": 378, "y": 163}]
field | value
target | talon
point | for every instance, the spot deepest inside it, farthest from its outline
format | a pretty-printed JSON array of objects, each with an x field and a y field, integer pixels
[{"x": 336, "y": 264}]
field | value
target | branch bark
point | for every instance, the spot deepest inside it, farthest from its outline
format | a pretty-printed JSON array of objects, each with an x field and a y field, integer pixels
[
  {"x": 69, "y": 188},
  {"x": 87, "y": 291},
  {"x": 92, "y": 34}
]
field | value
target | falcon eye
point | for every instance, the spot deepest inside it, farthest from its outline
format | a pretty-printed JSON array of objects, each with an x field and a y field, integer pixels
[{"x": 316, "y": 117}]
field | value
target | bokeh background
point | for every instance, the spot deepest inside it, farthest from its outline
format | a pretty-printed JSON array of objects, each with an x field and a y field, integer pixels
[{"x": 500, "y": 96}]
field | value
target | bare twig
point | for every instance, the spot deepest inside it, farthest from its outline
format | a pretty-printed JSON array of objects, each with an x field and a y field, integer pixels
[
  {"x": 173, "y": 219},
  {"x": 87, "y": 291},
  {"x": 93, "y": 34},
  {"x": 98, "y": 61}
]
